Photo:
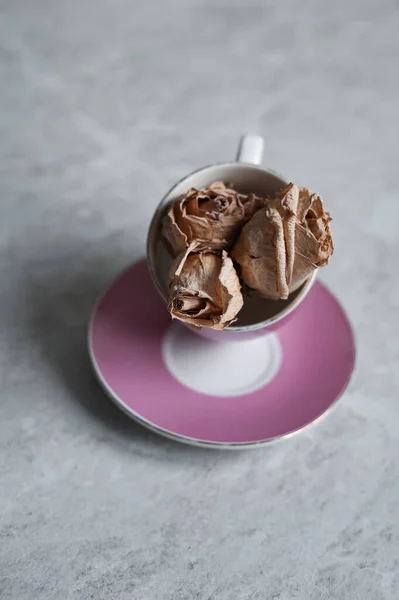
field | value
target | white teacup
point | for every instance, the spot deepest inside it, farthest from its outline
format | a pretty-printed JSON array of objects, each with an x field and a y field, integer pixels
[{"x": 258, "y": 316}]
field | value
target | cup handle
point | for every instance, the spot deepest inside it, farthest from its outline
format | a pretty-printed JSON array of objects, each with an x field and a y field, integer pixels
[{"x": 250, "y": 150}]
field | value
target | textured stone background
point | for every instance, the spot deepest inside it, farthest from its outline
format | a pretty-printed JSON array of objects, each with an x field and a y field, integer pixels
[{"x": 103, "y": 104}]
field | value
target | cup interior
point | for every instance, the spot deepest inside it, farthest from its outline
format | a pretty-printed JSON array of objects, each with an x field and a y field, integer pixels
[{"x": 244, "y": 178}]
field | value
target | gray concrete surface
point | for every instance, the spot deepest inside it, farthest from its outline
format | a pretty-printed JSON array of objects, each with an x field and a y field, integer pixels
[{"x": 102, "y": 105}]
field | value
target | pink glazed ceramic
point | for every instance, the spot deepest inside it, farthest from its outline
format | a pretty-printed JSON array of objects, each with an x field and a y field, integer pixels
[
  {"x": 131, "y": 349},
  {"x": 246, "y": 175}
]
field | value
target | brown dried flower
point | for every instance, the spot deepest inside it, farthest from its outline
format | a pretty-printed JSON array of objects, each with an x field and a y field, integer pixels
[
  {"x": 205, "y": 289},
  {"x": 212, "y": 217},
  {"x": 284, "y": 243}
]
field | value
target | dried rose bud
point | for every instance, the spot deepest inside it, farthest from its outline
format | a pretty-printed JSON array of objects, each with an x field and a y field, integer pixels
[
  {"x": 205, "y": 289},
  {"x": 282, "y": 245},
  {"x": 211, "y": 216}
]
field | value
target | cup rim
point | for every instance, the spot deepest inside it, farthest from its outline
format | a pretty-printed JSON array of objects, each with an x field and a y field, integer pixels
[{"x": 305, "y": 288}]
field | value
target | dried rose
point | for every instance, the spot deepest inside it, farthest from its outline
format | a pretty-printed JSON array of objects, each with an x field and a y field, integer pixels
[
  {"x": 205, "y": 289},
  {"x": 211, "y": 216},
  {"x": 283, "y": 244}
]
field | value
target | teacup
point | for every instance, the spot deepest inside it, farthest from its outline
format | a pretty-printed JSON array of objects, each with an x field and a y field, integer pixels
[{"x": 258, "y": 316}]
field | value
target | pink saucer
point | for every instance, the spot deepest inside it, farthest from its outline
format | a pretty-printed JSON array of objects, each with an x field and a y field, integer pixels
[{"x": 125, "y": 343}]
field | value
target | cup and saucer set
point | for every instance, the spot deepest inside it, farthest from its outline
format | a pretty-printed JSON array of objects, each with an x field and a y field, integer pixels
[{"x": 279, "y": 368}]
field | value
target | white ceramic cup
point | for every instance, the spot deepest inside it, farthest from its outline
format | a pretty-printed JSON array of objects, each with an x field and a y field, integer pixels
[{"x": 259, "y": 316}]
